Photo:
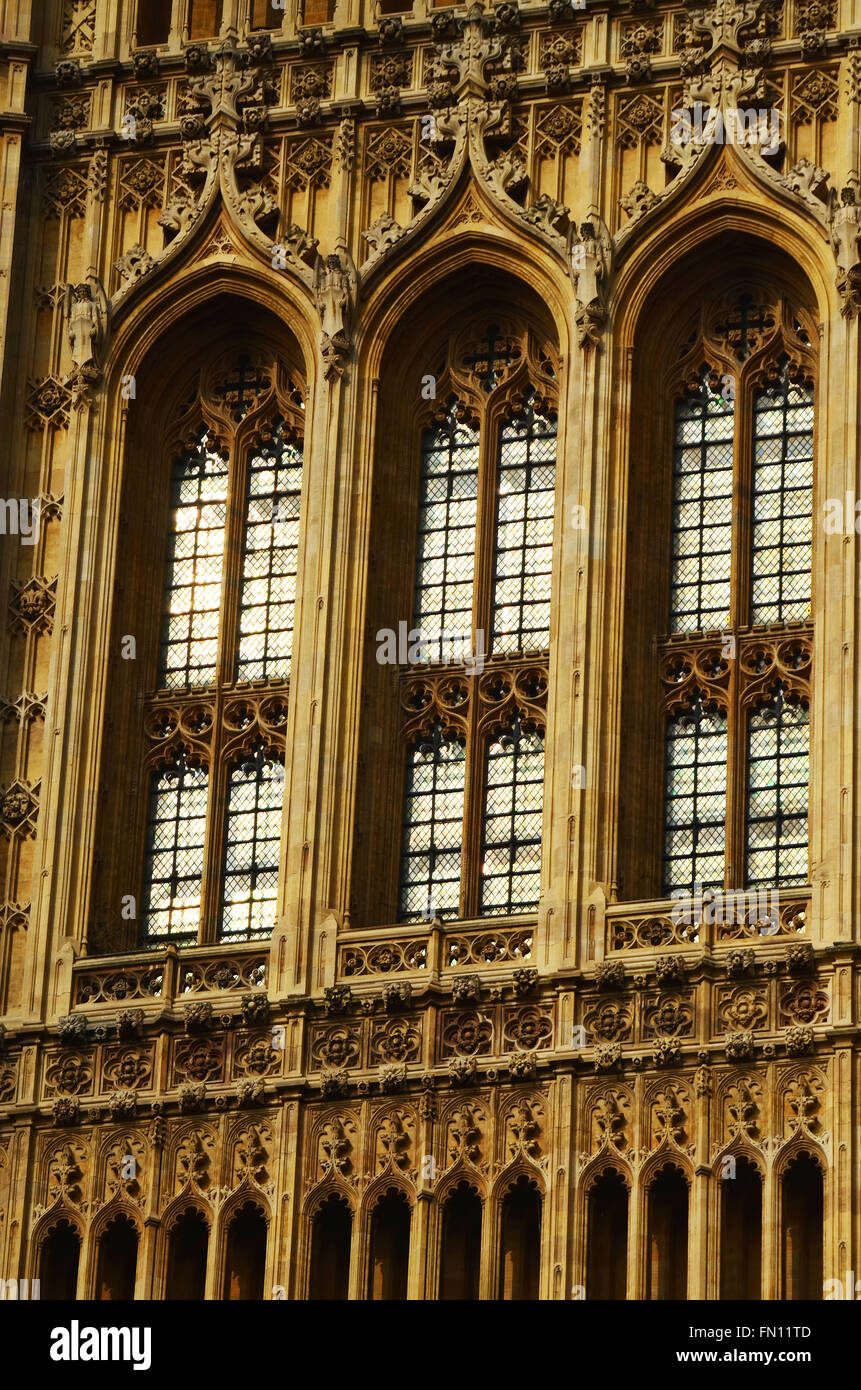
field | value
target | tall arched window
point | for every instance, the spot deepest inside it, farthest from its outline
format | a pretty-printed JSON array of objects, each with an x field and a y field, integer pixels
[
  {"x": 216, "y": 722},
  {"x": 802, "y": 1228},
  {"x": 460, "y": 1248},
  {"x": 118, "y": 1259},
  {"x": 607, "y": 1237},
  {"x": 667, "y": 1268},
  {"x": 732, "y": 609},
  {"x": 741, "y": 1232},
  {"x": 188, "y": 1246},
  {"x": 474, "y": 712},
  {"x": 245, "y": 1263},
  {"x": 59, "y": 1257},
  {"x": 520, "y": 1242},
  {"x": 331, "y": 1241},
  {"x": 388, "y": 1267},
  {"x": 742, "y": 524}
]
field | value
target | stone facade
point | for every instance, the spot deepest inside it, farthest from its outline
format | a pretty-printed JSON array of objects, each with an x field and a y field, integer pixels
[{"x": 349, "y": 200}]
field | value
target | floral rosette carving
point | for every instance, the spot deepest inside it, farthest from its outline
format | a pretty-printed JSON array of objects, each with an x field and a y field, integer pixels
[{"x": 467, "y": 1034}]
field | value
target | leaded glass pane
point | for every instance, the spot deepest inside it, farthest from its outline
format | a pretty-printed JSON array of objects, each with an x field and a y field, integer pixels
[
  {"x": 778, "y": 774},
  {"x": 524, "y": 534},
  {"x": 445, "y": 565},
  {"x": 695, "y": 799},
  {"x": 254, "y": 801},
  {"x": 270, "y": 560},
  {"x": 432, "y": 828},
  {"x": 782, "y": 503},
  {"x": 173, "y": 870},
  {"x": 702, "y": 512},
  {"x": 192, "y": 595},
  {"x": 511, "y": 821}
]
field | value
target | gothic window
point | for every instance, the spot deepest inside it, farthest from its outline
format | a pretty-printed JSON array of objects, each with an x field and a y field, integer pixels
[
  {"x": 741, "y": 1233},
  {"x": 331, "y": 1241},
  {"x": 264, "y": 15},
  {"x": 118, "y": 1258},
  {"x": 460, "y": 1250},
  {"x": 802, "y": 1207},
  {"x": 667, "y": 1273},
  {"x": 245, "y": 1265},
  {"x": 204, "y": 19},
  {"x": 736, "y": 657},
  {"x": 188, "y": 1245},
  {"x": 58, "y": 1262},
  {"x": 607, "y": 1237},
  {"x": 390, "y": 1247},
  {"x": 216, "y": 722},
  {"x": 153, "y": 22},
  {"x": 474, "y": 675},
  {"x": 520, "y": 1252}
]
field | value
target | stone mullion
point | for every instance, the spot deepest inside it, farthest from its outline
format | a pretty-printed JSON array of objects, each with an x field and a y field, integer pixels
[
  {"x": 228, "y": 627},
  {"x": 478, "y": 735},
  {"x": 476, "y": 739},
  {"x": 210, "y": 897}
]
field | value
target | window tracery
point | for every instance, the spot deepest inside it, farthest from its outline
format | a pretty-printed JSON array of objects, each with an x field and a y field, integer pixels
[
  {"x": 735, "y": 665},
  {"x": 216, "y": 724},
  {"x": 473, "y": 715}
]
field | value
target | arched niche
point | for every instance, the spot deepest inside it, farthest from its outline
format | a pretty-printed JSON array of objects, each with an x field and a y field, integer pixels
[
  {"x": 245, "y": 1255},
  {"x": 389, "y": 1254},
  {"x": 187, "y": 1252},
  {"x": 607, "y": 1215},
  {"x": 59, "y": 1257},
  {"x": 520, "y": 1220},
  {"x": 116, "y": 1265},
  {"x": 667, "y": 1204},
  {"x": 460, "y": 1244},
  {"x": 740, "y": 1228},
  {"x": 477, "y": 320},
  {"x": 331, "y": 1243},
  {"x": 802, "y": 1216},
  {"x": 230, "y": 367}
]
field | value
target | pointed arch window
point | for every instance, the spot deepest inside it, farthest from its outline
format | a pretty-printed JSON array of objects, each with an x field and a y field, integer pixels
[
  {"x": 475, "y": 709},
  {"x": 216, "y": 722},
  {"x": 736, "y": 661}
]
